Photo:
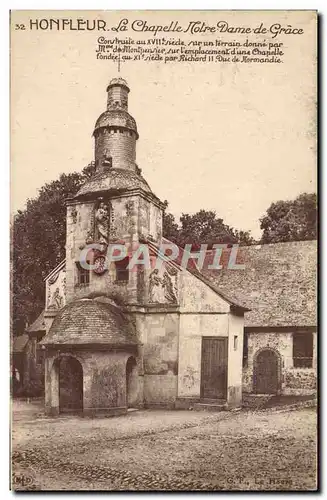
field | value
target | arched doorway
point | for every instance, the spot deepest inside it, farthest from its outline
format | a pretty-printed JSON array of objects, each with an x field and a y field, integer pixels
[
  {"x": 70, "y": 384},
  {"x": 266, "y": 372},
  {"x": 131, "y": 382}
]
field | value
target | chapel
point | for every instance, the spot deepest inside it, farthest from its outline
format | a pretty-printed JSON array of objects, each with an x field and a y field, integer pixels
[
  {"x": 165, "y": 332},
  {"x": 118, "y": 337}
]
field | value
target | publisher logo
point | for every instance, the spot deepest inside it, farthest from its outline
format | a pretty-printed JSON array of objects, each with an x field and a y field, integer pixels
[{"x": 23, "y": 479}]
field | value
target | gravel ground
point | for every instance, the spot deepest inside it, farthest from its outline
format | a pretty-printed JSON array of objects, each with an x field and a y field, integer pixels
[{"x": 166, "y": 450}]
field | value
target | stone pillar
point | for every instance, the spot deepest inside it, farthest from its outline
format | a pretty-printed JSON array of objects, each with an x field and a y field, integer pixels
[
  {"x": 287, "y": 358},
  {"x": 104, "y": 387},
  {"x": 87, "y": 387},
  {"x": 51, "y": 387}
]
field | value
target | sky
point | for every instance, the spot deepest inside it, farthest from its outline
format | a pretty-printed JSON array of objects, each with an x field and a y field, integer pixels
[{"x": 226, "y": 137}]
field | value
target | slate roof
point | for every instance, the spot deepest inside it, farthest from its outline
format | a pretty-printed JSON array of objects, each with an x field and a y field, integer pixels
[
  {"x": 234, "y": 303},
  {"x": 114, "y": 179},
  {"x": 91, "y": 321},
  {"x": 60, "y": 266},
  {"x": 278, "y": 283},
  {"x": 38, "y": 325},
  {"x": 193, "y": 269},
  {"x": 116, "y": 117},
  {"x": 19, "y": 343},
  {"x": 118, "y": 81}
]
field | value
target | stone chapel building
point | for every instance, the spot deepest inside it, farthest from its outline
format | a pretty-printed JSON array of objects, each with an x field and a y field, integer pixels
[
  {"x": 143, "y": 337},
  {"x": 109, "y": 339},
  {"x": 278, "y": 285}
]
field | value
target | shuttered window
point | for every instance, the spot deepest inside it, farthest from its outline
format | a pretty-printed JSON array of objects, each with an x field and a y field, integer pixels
[{"x": 302, "y": 350}]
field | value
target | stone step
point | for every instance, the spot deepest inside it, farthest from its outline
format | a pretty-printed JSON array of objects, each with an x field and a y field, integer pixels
[
  {"x": 256, "y": 400},
  {"x": 210, "y": 406},
  {"x": 220, "y": 401}
]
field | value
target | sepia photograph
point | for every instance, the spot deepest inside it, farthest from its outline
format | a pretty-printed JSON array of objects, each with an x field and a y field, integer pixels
[{"x": 163, "y": 250}]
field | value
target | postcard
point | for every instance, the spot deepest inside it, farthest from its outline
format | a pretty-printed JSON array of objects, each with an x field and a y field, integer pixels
[{"x": 164, "y": 250}]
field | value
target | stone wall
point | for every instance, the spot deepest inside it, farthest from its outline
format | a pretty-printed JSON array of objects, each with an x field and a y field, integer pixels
[
  {"x": 206, "y": 314},
  {"x": 160, "y": 390},
  {"x": 161, "y": 284},
  {"x": 131, "y": 217},
  {"x": 196, "y": 296},
  {"x": 80, "y": 224},
  {"x": 118, "y": 143},
  {"x": 192, "y": 328},
  {"x": 104, "y": 381},
  {"x": 235, "y": 356},
  {"x": 56, "y": 290},
  {"x": 33, "y": 378},
  {"x": 150, "y": 220},
  {"x": 300, "y": 381},
  {"x": 293, "y": 381},
  {"x": 158, "y": 331}
]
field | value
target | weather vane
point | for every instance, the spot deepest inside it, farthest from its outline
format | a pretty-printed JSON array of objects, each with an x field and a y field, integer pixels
[{"x": 119, "y": 59}]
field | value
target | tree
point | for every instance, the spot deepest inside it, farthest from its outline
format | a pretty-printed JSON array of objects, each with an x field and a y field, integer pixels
[
  {"x": 169, "y": 225},
  {"x": 38, "y": 245},
  {"x": 203, "y": 227},
  {"x": 290, "y": 220}
]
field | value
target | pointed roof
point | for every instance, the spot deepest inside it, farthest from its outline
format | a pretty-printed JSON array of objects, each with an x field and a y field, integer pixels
[
  {"x": 56, "y": 270},
  {"x": 114, "y": 181},
  {"x": 38, "y": 325},
  {"x": 116, "y": 117},
  {"x": 19, "y": 343}
]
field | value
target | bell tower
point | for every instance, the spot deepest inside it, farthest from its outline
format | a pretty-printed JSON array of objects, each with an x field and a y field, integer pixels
[
  {"x": 115, "y": 206},
  {"x": 115, "y": 131}
]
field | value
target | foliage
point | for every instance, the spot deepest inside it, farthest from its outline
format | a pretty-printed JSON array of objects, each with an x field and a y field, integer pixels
[
  {"x": 290, "y": 220},
  {"x": 203, "y": 227}
]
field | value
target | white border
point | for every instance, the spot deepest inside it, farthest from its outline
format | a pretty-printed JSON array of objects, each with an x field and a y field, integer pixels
[{"x": 4, "y": 183}]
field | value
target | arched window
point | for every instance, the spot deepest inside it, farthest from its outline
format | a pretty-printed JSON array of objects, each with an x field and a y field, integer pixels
[
  {"x": 83, "y": 275},
  {"x": 122, "y": 273}
]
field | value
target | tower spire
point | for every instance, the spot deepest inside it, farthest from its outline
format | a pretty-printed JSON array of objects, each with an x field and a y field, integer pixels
[{"x": 115, "y": 131}]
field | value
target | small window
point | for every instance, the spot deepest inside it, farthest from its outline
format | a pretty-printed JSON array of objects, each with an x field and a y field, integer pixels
[
  {"x": 245, "y": 350},
  {"x": 235, "y": 342},
  {"x": 39, "y": 356},
  {"x": 122, "y": 273},
  {"x": 83, "y": 275},
  {"x": 302, "y": 350}
]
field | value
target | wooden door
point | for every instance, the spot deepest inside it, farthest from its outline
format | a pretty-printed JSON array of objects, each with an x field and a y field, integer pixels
[
  {"x": 265, "y": 376},
  {"x": 214, "y": 362}
]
